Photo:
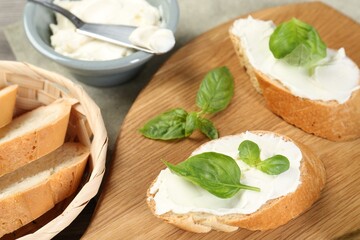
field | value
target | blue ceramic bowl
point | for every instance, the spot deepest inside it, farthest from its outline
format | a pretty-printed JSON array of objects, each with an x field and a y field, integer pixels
[{"x": 96, "y": 73}]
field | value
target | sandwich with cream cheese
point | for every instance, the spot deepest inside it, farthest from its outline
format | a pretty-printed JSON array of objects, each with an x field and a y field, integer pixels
[
  {"x": 265, "y": 199},
  {"x": 322, "y": 99}
]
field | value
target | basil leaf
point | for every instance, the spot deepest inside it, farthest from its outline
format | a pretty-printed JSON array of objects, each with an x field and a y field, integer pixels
[
  {"x": 275, "y": 165},
  {"x": 298, "y": 43},
  {"x": 249, "y": 152},
  {"x": 191, "y": 123},
  {"x": 207, "y": 127},
  {"x": 166, "y": 126},
  {"x": 215, "y": 172},
  {"x": 216, "y": 91}
]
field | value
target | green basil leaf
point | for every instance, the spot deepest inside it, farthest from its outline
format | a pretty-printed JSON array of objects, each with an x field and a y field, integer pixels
[
  {"x": 249, "y": 152},
  {"x": 298, "y": 43},
  {"x": 275, "y": 165},
  {"x": 166, "y": 126},
  {"x": 216, "y": 91},
  {"x": 191, "y": 123},
  {"x": 207, "y": 127},
  {"x": 215, "y": 172}
]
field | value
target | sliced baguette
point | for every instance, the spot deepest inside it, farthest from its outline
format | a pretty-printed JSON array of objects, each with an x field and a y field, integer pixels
[
  {"x": 7, "y": 104},
  {"x": 33, "y": 134},
  {"x": 272, "y": 214},
  {"x": 32, "y": 190},
  {"x": 326, "y": 119}
]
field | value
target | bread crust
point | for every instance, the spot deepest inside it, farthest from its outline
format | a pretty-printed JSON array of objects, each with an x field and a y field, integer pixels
[
  {"x": 7, "y": 104},
  {"x": 35, "y": 143},
  {"x": 326, "y": 119},
  {"x": 21, "y": 208},
  {"x": 271, "y": 215}
]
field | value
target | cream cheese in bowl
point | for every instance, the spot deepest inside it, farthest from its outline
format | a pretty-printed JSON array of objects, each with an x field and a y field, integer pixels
[
  {"x": 68, "y": 42},
  {"x": 336, "y": 76},
  {"x": 99, "y": 73}
]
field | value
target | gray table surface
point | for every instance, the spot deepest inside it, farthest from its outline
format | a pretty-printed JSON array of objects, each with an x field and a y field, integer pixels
[{"x": 196, "y": 17}]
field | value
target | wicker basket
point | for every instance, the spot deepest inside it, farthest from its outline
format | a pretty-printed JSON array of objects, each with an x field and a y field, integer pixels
[{"x": 40, "y": 87}]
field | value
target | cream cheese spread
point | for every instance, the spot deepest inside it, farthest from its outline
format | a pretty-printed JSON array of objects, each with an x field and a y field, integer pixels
[
  {"x": 159, "y": 40},
  {"x": 173, "y": 193},
  {"x": 335, "y": 77},
  {"x": 140, "y": 13}
]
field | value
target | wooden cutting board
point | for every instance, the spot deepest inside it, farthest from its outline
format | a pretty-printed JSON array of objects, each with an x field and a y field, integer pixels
[{"x": 122, "y": 212}]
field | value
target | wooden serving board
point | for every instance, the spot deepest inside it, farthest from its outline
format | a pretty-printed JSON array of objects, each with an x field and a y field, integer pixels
[{"x": 122, "y": 212}]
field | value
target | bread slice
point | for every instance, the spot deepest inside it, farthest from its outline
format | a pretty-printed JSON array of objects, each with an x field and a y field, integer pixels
[
  {"x": 7, "y": 104},
  {"x": 33, "y": 134},
  {"x": 35, "y": 188},
  {"x": 326, "y": 119},
  {"x": 272, "y": 214}
]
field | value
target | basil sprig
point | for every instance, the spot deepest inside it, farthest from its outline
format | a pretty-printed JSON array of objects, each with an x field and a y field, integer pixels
[
  {"x": 213, "y": 96},
  {"x": 249, "y": 152},
  {"x": 215, "y": 172},
  {"x": 298, "y": 43}
]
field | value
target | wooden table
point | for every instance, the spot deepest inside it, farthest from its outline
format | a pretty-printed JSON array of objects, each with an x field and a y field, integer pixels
[{"x": 191, "y": 12}]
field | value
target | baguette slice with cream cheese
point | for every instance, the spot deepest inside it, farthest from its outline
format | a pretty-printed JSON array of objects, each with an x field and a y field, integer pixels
[
  {"x": 33, "y": 134},
  {"x": 197, "y": 212},
  {"x": 32, "y": 190},
  {"x": 328, "y": 119},
  {"x": 7, "y": 104}
]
